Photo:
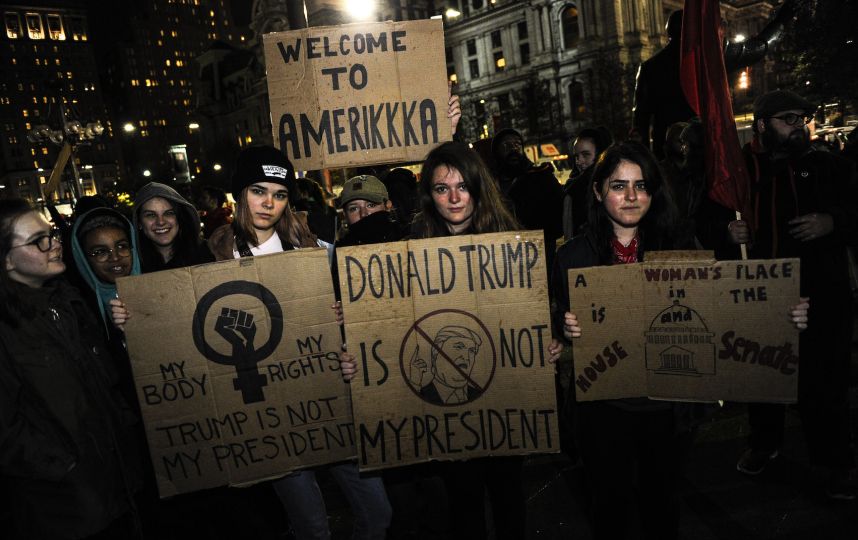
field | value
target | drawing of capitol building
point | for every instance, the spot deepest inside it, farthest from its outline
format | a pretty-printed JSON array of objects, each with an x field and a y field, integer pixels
[{"x": 679, "y": 342}]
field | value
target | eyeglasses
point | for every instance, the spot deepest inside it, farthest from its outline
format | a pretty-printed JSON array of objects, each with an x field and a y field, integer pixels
[
  {"x": 792, "y": 119},
  {"x": 44, "y": 242},
  {"x": 122, "y": 250}
]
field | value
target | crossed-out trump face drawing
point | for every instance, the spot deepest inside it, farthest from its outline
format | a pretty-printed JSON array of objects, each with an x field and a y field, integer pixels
[
  {"x": 460, "y": 345},
  {"x": 454, "y": 353}
]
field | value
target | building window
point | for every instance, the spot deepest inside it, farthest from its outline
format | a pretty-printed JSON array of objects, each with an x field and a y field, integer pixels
[
  {"x": 500, "y": 63},
  {"x": 477, "y": 4},
  {"x": 472, "y": 47},
  {"x": 448, "y": 53},
  {"x": 474, "y": 65},
  {"x": 34, "y": 26},
  {"x": 496, "y": 39},
  {"x": 569, "y": 21},
  {"x": 524, "y": 52},
  {"x": 522, "y": 30},
  {"x": 76, "y": 29},
  {"x": 13, "y": 26},
  {"x": 576, "y": 100},
  {"x": 55, "y": 27}
]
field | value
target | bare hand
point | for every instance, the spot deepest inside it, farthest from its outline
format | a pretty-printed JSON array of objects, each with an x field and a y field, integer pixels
[
  {"x": 739, "y": 231},
  {"x": 571, "y": 327},
  {"x": 798, "y": 313},
  {"x": 554, "y": 350},
  {"x": 811, "y": 226},
  {"x": 454, "y": 110},
  {"x": 348, "y": 366},
  {"x": 119, "y": 313},
  {"x": 338, "y": 310}
]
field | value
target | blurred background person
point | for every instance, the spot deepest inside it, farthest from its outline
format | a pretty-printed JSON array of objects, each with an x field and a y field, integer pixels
[{"x": 213, "y": 208}]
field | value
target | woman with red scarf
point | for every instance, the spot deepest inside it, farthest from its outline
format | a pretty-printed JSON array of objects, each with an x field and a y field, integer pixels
[{"x": 632, "y": 449}]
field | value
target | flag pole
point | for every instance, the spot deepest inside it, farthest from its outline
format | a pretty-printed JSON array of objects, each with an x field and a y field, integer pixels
[{"x": 743, "y": 247}]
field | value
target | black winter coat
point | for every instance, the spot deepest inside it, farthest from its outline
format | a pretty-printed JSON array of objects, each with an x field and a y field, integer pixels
[{"x": 67, "y": 454}]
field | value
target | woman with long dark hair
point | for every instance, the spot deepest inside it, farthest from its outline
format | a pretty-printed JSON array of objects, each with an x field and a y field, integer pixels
[
  {"x": 458, "y": 195},
  {"x": 67, "y": 456},
  {"x": 632, "y": 449}
]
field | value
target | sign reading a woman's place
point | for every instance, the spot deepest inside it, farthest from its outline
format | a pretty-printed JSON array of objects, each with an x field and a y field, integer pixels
[
  {"x": 451, "y": 339},
  {"x": 354, "y": 94}
]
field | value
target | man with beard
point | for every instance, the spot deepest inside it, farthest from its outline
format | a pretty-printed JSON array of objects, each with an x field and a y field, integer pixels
[
  {"x": 804, "y": 203},
  {"x": 535, "y": 196}
]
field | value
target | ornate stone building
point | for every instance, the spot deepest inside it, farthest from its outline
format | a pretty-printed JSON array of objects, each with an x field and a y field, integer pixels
[
  {"x": 552, "y": 67},
  {"x": 545, "y": 67}
]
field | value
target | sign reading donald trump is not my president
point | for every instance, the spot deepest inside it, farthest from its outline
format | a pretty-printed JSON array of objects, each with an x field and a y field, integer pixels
[{"x": 451, "y": 338}]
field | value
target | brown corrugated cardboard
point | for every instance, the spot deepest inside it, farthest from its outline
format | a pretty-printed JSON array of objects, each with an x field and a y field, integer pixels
[
  {"x": 356, "y": 94},
  {"x": 682, "y": 327},
  {"x": 237, "y": 371},
  {"x": 451, "y": 338}
]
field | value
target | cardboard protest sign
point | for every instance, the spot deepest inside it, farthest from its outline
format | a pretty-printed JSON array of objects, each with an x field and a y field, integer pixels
[
  {"x": 684, "y": 327},
  {"x": 236, "y": 366},
  {"x": 450, "y": 336},
  {"x": 357, "y": 94}
]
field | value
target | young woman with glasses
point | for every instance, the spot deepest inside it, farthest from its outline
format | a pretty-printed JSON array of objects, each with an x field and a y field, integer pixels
[{"x": 66, "y": 448}]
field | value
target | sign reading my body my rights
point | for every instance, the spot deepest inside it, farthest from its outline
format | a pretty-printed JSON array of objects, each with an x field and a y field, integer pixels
[
  {"x": 451, "y": 337},
  {"x": 358, "y": 93},
  {"x": 236, "y": 369},
  {"x": 682, "y": 326}
]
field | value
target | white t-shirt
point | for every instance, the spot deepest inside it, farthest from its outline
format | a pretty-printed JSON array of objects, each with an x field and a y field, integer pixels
[{"x": 274, "y": 245}]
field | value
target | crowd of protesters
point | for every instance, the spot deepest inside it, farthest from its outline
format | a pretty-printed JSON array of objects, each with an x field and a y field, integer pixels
[{"x": 72, "y": 452}]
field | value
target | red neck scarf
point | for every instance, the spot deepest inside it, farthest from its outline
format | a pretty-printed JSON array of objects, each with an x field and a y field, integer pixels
[{"x": 625, "y": 254}]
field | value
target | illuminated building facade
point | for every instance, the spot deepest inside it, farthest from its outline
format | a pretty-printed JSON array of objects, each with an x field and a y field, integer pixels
[
  {"x": 147, "y": 51},
  {"x": 552, "y": 67},
  {"x": 47, "y": 58}
]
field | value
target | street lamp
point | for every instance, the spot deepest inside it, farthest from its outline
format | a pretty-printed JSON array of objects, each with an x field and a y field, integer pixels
[
  {"x": 193, "y": 125},
  {"x": 361, "y": 10},
  {"x": 452, "y": 13},
  {"x": 217, "y": 166},
  {"x": 70, "y": 136},
  {"x": 147, "y": 173},
  {"x": 129, "y": 127}
]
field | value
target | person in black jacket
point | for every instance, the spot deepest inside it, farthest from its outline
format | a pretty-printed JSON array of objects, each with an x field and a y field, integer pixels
[
  {"x": 631, "y": 449},
  {"x": 534, "y": 195},
  {"x": 67, "y": 454},
  {"x": 586, "y": 148},
  {"x": 805, "y": 208},
  {"x": 659, "y": 100}
]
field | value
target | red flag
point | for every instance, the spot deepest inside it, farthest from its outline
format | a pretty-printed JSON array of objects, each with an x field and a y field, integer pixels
[{"x": 704, "y": 83}]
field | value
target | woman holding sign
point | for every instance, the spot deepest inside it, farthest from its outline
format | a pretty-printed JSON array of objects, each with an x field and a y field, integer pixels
[
  {"x": 631, "y": 448},
  {"x": 264, "y": 224},
  {"x": 67, "y": 455},
  {"x": 459, "y": 196}
]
